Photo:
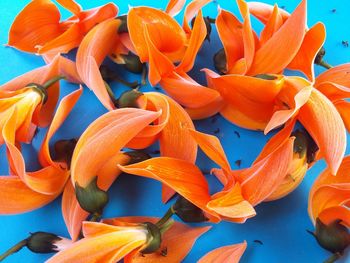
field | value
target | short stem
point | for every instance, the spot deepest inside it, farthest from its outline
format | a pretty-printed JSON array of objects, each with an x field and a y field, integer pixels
[
  {"x": 333, "y": 258},
  {"x": 211, "y": 20},
  {"x": 111, "y": 94},
  {"x": 14, "y": 249},
  {"x": 95, "y": 217},
  {"x": 144, "y": 75},
  {"x": 132, "y": 85},
  {"x": 324, "y": 64},
  {"x": 166, "y": 217},
  {"x": 52, "y": 81},
  {"x": 166, "y": 226}
]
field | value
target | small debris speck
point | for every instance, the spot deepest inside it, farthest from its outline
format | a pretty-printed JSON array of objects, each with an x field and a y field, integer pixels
[
  {"x": 258, "y": 242},
  {"x": 238, "y": 163},
  {"x": 164, "y": 252},
  {"x": 345, "y": 43},
  {"x": 237, "y": 134},
  {"x": 283, "y": 7},
  {"x": 334, "y": 10},
  {"x": 217, "y": 131}
]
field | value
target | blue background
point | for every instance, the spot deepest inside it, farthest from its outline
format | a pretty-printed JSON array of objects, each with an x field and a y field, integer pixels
[{"x": 280, "y": 225}]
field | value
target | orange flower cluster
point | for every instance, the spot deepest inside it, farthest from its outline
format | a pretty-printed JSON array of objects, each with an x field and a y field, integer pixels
[{"x": 248, "y": 88}]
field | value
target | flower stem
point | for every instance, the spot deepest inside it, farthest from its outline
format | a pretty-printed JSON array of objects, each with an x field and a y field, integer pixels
[
  {"x": 95, "y": 217},
  {"x": 166, "y": 217},
  {"x": 52, "y": 81},
  {"x": 333, "y": 258},
  {"x": 211, "y": 20},
  {"x": 144, "y": 75},
  {"x": 14, "y": 249},
  {"x": 324, "y": 64},
  {"x": 132, "y": 85}
]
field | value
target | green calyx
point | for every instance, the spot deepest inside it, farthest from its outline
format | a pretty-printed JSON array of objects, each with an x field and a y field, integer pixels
[
  {"x": 137, "y": 156},
  {"x": 188, "y": 212},
  {"x": 128, "y": 99},
  {"x": 133, "y": 63},
  {"x": 154, "y": 238},
  {"x": 91, "y": 198},
  {"x": 220, "y": 61},
  {"x": 334, "y": 237},
  {"x": 266, "y": 76},
  {"x": 39, "y": 89}
]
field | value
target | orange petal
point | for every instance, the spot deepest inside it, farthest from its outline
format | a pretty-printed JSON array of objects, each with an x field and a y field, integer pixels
[
  {"x": 231, "y": 205},
  {"x": 274, "y": 23},
  {"x": 188, "y": 92},
  {"x": 212, "y": 147},
  {"x": 280, "y": 49},
  {"x": 230, "y": 32},
  {"x": 63, "y": 43},
  {"x": 329, "y": 190},
  {"x": 184, "y": 177},
  {"x": 263, "y": 11},
  {"x": 301, "y": 97},
  {"x": 322, "y": 120},
  {"x": 159, "y": 64},
  {"x": 260, "y": 180},
  {"x": 312, "y": 43},
  {"x": 16, "y": 197},
  {"x": 165, "y": 33},
  {"x": 206, "y": 111},
  {"x": 198, "y": 35},
  {"x": 36, "y": 24},
  {"x": 103, "y": 140},
  {"x": 49, "y": 180},
  {"x": 226, "y": 254},
  {"x": 111, "y": 246},
  {"x": 331, "y": 214},
  {"x": 152, "y": 132},
  {"x": 70, "y": 5},
  {"x": 175, "y": 140},
  {"x": 178, "y": 240},
  {"x": 96, "y": 45},
  {"x": 339, "y": 75},
  {"x": 343, "y": 107},
  {"x": 64, "y": 108},
  {"x": 73, "y": 214},
  {"x": 333, "y": 91},
  {"x": 249, "y": 38},
  {"x": 174, "y": 7},
  {"x": 191, "y": 11}
]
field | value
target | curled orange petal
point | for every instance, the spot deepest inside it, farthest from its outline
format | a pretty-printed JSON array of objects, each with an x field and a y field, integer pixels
[
  {"x": 96, "y": 45},
  {"x": 322, "y": 120},
  {"x": 174, "y": 7},
  {"x": 282, "y": 47},
  {"x": 226, "y": 254}
]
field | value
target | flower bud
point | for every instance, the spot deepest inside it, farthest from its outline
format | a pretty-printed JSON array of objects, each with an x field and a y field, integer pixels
[
  {"x": 43, "y": 242},
  {"x": 334, "y": 237},
  {"x": 40, "y": 89}
]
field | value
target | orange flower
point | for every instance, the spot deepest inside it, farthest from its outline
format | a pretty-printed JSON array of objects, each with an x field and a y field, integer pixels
[
  {"x": 227, "y": 254},
  {"x": 170, "y": 127},
  {"x": 38, "y": 28},
  {"x": 328, "y": 208},
  {"x": 25, "y": 191},
  {"x": 168, "y": 43},
  {"x": 115, "y": 239},
  {"x": 34, "y": 102}
]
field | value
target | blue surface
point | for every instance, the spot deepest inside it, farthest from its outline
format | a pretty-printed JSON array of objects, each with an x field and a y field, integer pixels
[{"x": 280, "y": 225}]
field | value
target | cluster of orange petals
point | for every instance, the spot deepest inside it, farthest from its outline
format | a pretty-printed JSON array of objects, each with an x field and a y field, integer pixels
[{"x": 251, "y": 92}]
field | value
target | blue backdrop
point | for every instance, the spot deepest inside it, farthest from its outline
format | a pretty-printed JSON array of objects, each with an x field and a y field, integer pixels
[{"x": 280, "y": 225}]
